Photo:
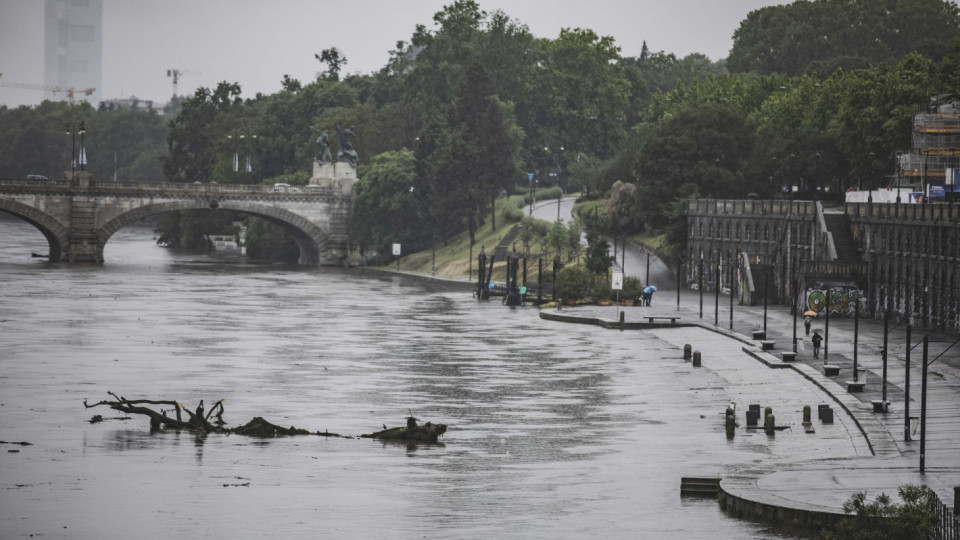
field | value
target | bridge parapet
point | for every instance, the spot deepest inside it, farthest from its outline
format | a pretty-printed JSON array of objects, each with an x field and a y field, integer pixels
[
  {"x": 78, "y": 218},
  {"x": 174, "y": 188}
]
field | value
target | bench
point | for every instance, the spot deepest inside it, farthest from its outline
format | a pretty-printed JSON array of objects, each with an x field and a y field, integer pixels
[
  {"x": 855, "y": 386},
  {"x": 767, "y": 345},
  {"x": 831, "y": 370},
  {"x": 789, "y": 356},
  {"x": 880, "y": 406},
  {"x": 673, "y": 320},
  {"x": 759, "y": 335}
]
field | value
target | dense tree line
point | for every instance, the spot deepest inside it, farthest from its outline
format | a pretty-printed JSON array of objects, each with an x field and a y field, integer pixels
[{"x": 819, "y": 95}]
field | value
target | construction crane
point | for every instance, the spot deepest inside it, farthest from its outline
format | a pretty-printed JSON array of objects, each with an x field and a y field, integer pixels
[
  {"x": 176, "y": 74},
  {"x": 48, "y": 88}
]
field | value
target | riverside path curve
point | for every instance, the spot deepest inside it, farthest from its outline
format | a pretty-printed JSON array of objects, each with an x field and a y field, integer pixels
[{"x": 807, "y": 476}]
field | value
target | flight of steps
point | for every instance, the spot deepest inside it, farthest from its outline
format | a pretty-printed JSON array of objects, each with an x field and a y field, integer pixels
[{"x": 694, "y": 486}]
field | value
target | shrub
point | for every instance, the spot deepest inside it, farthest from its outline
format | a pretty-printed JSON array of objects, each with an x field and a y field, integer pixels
[
  {"x": 631, "y": 288},
  {"x": 574, "y": 283}
]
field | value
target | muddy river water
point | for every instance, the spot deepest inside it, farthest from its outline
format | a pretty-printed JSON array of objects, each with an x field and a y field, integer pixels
[{"x": 556, "y": 431}]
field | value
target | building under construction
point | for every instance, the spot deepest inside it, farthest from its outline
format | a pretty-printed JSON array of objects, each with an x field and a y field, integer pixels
[{"x": 934, "y": 157}]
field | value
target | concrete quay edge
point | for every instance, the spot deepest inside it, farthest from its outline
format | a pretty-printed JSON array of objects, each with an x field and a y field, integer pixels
[{"x": 739, "y": 492}]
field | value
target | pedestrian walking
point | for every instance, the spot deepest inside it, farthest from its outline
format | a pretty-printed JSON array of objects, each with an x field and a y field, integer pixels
[
  {"x": 816, "y": 339},
  {"x": 807, "y": 321}
]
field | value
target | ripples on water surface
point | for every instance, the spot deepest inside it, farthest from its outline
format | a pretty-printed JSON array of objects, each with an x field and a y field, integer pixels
[{"x": 555, "y": 430}]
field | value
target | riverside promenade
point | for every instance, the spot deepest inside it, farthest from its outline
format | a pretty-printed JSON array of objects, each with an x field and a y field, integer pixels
[{"x": 806, "y": 477}]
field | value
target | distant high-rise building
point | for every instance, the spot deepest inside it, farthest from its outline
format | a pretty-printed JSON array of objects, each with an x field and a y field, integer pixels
[{"x": 73, "y": 57}]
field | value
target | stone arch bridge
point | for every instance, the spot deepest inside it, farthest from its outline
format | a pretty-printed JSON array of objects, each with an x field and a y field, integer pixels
[{"x": 78, "y": 218}]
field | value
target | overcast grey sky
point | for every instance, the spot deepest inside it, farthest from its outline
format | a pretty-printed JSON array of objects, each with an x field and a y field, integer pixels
[{"x": 256, "y": 42}]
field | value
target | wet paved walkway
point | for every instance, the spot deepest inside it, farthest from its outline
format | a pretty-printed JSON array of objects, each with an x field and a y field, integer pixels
[{"x": 863, "y": 450}]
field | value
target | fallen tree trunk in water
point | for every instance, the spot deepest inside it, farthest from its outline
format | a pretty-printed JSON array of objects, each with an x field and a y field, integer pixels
[
  {"x": 412, "y": 433},
  {"x": 200, "y": 420}
]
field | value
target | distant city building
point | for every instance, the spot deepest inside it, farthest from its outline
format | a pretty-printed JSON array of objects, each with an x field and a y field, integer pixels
[
  {"x": 73, "y": 54},
  {"x": 133, "y": 103}
]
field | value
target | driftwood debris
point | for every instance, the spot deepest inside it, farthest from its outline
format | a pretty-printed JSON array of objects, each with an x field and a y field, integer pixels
[
  {"x": 411, "y": 433},
  {"x": 200, "y": 420}
]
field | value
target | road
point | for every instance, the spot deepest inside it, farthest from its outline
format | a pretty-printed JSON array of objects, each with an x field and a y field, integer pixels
[{"x": 634, "y": 261}]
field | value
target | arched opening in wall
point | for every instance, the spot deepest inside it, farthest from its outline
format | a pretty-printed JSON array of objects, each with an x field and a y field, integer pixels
[
  {"x": 264, "y": 232},
  {"x": 136, "y": 241},
  {"x": 18, "y": 230},
  {"x": 212, "y": 230}
]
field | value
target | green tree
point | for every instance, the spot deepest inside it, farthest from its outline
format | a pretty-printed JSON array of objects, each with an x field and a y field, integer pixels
[
  {"x": 334, "y": 60},
  {"x": 387, "y": 207},
  {"x": 882, "y": 519},
  {"x": 473, "y": 156},
  {"x": 192, "y": 139},
  {"x": 702, "y": 150},
  {"x": 598, "y": 253},
  {"x": 790, "y": 38}
]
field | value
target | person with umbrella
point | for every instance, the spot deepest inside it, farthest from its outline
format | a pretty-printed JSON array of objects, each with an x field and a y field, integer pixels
[
  {"x": 808, "y": 320},
  {"x": 648, "y": 294}
]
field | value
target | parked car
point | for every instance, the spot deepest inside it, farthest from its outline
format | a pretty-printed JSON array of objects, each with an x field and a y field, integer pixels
[
  {"x": 281, "y": 188},
  {"x": 36, "y": 177}
]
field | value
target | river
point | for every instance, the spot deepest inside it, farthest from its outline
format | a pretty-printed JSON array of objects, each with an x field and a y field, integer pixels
[{"x": 555, "y": 431}]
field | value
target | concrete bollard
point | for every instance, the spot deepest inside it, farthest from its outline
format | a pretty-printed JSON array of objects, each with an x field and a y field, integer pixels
[
  {"x": 622, "y": 314},
  {"x": 753, "y": 415},
  {"x": 687, "y": 351},
  {"x": 559, "y": 304},
  {"x": 806, "y": 414},
  {"x": 730, "y": 424},
  {"x": 696, "y": 359},
  {"x": 769, "y": 423}
]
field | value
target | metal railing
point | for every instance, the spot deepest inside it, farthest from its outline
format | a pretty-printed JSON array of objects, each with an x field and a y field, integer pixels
[{"x": 946, "y": 525}]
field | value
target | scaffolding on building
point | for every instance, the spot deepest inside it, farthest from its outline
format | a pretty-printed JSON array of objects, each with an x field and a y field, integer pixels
[{"x": 935, "y": 145}]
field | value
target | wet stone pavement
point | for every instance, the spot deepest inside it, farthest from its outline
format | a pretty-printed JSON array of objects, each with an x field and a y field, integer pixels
[{"x": 862, "y": 450}]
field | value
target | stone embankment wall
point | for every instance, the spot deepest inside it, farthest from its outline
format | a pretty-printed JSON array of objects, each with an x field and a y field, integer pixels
[
  {"x": 909, "y": 253},
  {"x": 913, "y": 257},
  {"x": 776, "y": 235}
]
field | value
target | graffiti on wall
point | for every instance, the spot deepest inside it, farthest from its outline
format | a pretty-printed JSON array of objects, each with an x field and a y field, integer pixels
[{"x": 843, "y": 302}]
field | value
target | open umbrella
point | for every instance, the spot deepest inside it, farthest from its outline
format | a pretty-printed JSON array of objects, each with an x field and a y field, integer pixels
[
  {"x": 810, "y": 313},
  {"x": 649, "y": 289}
]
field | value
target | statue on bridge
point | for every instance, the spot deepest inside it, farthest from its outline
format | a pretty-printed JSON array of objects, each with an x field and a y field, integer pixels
[
  {"x": 346, "y": 153},
  {"x": 323, "y": 146}
]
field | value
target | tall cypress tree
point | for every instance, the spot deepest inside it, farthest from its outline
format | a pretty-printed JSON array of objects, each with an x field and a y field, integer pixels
[{"x": 476, "y": 157}]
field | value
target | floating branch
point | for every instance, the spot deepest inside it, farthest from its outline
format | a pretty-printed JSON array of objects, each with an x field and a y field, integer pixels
[{"x": 199, "y": 420}]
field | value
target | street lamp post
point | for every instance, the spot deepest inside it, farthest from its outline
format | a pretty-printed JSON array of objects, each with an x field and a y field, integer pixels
[
  {"x": 716, "y": 290},
  {"x": 899, "y": 174},
  {"x": 83, "y": 151},
  {"x": 700, "y": 285},
  {"x": 826, "y": 330}
]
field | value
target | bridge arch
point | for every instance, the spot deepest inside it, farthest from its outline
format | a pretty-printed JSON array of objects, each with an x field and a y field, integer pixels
[
  {"x": 311, "y": 240},
  {"x": 56, "y": 233}
]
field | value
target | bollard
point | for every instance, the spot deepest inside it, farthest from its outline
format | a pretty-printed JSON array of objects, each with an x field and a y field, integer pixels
[
  {"x": 769, "y": 423},
  {"x": 827, "y": 416},
  {"x": 687, "y": 351},
  {"x": 622, "y": 313},
  {"x": 730, "y": 424},
  {"x": 559, "y": 304},
  {"x": 820, "y": 408},
  {"x": 956, "y": 500},
  {"x": 696, "y": 359},
  {"x": 753, "y": 414},
  {"x": 806, "y": 415}
]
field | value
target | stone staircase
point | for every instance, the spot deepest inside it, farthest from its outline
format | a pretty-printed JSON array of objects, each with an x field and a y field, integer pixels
[
  {"x": 839, "y": 227},
  {"x": 693, "y": 486}
]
